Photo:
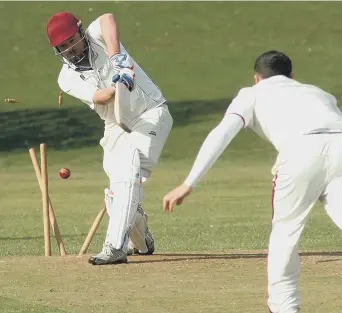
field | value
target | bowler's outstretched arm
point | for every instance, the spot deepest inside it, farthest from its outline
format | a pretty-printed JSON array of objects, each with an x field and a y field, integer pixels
[{"x": 213, "y": 146}]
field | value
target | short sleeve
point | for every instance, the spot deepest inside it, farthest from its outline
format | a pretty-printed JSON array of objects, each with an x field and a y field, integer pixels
[
  {"x": 73, "y": 85},
  {"x": 243, "y": 105}
]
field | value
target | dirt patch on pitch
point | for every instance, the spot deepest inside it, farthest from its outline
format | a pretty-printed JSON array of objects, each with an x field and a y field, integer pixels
[{"x": 181, "y": 282}]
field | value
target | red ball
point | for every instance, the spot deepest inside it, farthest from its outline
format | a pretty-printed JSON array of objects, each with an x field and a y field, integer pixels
[{"x": 64, "y": 173}]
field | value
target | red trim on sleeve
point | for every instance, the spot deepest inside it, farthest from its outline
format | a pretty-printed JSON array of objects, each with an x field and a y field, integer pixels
[
  {"x": 274, "y": 183},
  {"x": 243, "y": 120}
]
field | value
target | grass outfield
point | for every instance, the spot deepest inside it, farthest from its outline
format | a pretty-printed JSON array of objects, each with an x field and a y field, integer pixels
[{"x": 209, "y": 252}]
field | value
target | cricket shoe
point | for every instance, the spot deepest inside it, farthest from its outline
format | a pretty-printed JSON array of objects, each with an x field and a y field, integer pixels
[{"x": 108, "y": 255}]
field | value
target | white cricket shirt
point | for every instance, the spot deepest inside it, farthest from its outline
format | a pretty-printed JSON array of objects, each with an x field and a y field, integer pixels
[
  {"x": 279, "y": 109},
  {"x": 83, "y": 85}
]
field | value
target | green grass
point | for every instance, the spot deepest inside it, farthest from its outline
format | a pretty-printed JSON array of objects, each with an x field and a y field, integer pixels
[
  {"x": 181, "y": 45},
  {"x": 13, "y": 306},
  {"x": 200, "y": 54}
]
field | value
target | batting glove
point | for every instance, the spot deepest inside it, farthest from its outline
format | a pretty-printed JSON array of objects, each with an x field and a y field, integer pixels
[
  {"x": 127, "y": 77},
  {"x": 121, "y": 61},
  {"x": 115, "y": 79},
  {"x": 125, "y": 69}
]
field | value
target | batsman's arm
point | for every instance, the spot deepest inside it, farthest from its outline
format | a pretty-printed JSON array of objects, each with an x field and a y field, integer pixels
[
  {"x": 86, "y": 92},
  {"x": 213, "y": 146},
  {"x": 102, "y": 96},
  {"x": 110, "y": 33}
]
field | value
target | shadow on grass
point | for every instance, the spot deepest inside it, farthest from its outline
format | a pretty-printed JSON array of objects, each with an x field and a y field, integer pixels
[
  {"x": 77, "y": 127},
  {"x": 164, "y": 258},
  {"x": 42, "y": 237}
]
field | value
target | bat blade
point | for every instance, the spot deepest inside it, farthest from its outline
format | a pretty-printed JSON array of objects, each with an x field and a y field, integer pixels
[{"x": 122, "y": 110}]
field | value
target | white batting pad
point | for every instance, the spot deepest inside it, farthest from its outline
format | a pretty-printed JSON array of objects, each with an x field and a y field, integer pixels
[
  {"x": 122, "y": 107},
  {"x": 139, "y": 230},
  {"x": 124, "y": 197}
]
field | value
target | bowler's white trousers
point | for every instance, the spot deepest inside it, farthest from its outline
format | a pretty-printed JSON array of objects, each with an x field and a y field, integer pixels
[{"x": 307, "y": 169}]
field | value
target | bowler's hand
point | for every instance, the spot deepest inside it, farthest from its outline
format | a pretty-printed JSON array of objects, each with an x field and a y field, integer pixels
[{"x": 176, "y": 197}]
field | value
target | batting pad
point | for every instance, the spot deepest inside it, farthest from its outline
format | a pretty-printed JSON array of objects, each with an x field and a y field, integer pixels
[
  {"x": 124, "y": 197},
  {"x": 139, "y": 230}
]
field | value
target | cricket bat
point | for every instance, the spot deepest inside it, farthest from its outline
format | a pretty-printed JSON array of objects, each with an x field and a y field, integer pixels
[{"x": 122, "y": 109}]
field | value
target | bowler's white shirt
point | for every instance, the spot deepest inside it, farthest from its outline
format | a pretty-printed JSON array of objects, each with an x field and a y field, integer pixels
[
  {"x": 83, "y": 85},
  {"x": 278, "y": 109}
]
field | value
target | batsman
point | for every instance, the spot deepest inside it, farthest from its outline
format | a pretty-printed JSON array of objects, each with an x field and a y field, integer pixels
[{"x": 95, "y": 67}]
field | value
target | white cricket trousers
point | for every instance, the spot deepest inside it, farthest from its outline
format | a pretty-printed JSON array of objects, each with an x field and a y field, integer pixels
[
  {"x": 307, "y": 170},
  {"x": 149, "y": 134}
]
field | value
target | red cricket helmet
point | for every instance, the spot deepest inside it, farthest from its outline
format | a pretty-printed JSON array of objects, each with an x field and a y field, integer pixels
[{"x": 61, "y": 27}]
